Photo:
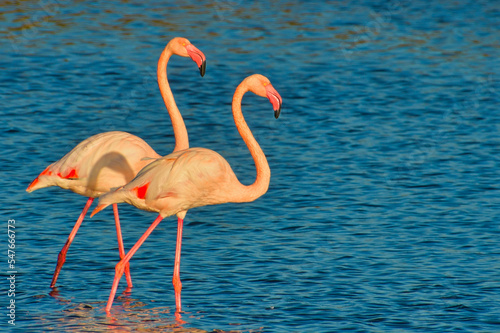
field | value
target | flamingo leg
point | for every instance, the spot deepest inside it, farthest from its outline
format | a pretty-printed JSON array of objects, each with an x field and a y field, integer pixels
[
  {"x": 61, "y": 258},
  {"x": 120, "y": 267},
  {"x": 176, "y": 280},
  {"x": 121, "y": 248}
]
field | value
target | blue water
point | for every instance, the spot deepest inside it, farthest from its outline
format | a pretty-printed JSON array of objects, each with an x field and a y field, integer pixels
[{"x": 384, "y": 205}]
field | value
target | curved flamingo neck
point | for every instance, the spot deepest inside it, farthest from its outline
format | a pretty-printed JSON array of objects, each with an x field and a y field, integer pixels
[
  {"x": 261, "y": 184},
  {"x": 180, "y": 131}
]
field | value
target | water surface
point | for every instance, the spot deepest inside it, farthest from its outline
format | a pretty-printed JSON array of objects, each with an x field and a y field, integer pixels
[{"x": 383, "y": 208}]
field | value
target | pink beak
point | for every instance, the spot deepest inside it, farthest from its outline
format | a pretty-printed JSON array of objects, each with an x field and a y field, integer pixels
[
  {"x": 198, "y": 57},
  {"x": 275, "y": 99}
]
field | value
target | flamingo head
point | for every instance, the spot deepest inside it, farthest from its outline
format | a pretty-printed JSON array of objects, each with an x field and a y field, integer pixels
[
  {"x": 261, "y": 86},
  {"x": 184, "y": 48}
]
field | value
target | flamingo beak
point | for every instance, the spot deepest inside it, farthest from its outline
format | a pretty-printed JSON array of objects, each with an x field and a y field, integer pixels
[
  {"x": 198, "y": 57},
  {"x": 275, "y": 99},
  {"x": 202, "y": 68}
]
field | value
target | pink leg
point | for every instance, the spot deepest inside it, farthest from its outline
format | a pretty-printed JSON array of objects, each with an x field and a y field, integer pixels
[
  {"x": 62, "y": 255},
  {"x": 121, "y": 249},
  {"x": 176, "y": 280},
  {"x": 120, "y": 267}
]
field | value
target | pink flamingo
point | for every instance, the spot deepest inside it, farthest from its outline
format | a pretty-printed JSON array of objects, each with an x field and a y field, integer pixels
[
  {"x": 112, "y": 159},
  {"x": 192, "y": 178}
]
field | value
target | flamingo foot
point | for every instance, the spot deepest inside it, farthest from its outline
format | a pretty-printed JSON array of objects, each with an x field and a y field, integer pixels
[
  {"x": 177, "y": 288},
  {"x": 119, "y": 269},
  {"x": 128, "y": 276},
  {"x": 61, "y": 259},
  {"x": 178, "y": 318}
]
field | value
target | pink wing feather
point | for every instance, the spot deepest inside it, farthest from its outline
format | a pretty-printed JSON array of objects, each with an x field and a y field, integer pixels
[{"x": 98, "y": 164}]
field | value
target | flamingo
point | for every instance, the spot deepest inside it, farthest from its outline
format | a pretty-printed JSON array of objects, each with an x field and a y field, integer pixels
[
  {"x": 192, "y": 178},
  {"x": 112, "y": 159}
]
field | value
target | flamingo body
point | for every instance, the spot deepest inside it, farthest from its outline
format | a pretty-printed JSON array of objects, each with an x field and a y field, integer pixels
[
  {"x": 98, "y": 164},
  {"x": 177, "y": 182},
  {"x": 192, "y": 178}
]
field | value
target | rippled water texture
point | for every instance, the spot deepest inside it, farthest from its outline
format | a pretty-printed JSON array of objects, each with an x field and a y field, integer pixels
[{"x": 383, "y": 210}]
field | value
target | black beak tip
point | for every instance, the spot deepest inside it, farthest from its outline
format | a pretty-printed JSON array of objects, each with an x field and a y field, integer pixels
[
  {"x": 277, "y": 113},
  {"x": 202, "y": 68}
]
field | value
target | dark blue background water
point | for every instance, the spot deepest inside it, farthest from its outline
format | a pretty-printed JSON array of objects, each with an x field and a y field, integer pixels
[{"x": 383, "y": 210}]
